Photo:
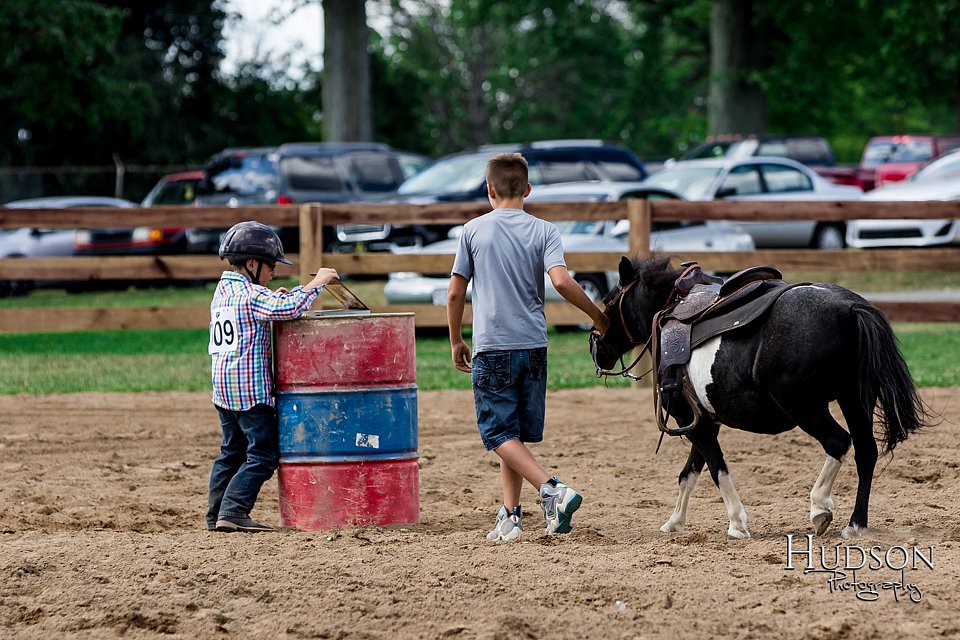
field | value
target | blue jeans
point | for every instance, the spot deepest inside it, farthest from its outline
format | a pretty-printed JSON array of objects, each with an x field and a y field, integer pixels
[
  {"x": 510, "y": 391},
  {"x": 249, "y": 454}
]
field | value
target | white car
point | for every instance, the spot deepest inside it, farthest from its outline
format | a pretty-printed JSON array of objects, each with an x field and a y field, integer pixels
[
  {"x": 761, "y": 178},
  {"x": 39, "y": 242},
  {"x": 939, "y": 180},
  {"x": 601, "y": 235}
]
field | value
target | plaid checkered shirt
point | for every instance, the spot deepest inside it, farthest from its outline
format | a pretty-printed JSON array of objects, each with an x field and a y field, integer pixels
[{"x": 240, "y": 338}]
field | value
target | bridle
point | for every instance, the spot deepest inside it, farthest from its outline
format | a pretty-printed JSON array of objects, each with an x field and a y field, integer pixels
[{"x": 615, "y": 303}]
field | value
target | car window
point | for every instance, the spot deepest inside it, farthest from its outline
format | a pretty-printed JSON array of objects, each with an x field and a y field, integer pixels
[
  {"x": 244, "y": 175},
  {"x": 411, "y": 164},
  {"x": 173, "y": 193},
  {"x": 809, "y": 152},
  {"x": 776, "y": 148},
  {"x": 615, "y": 165},
  {"x": 550, "y": 168},
  {"x": 581, "y": 227},
  {"x": 373, "y": 171},
  {"x": 941, "y": 169},
  {"x": 878, "y": 153},
  {"x": 742, "y": 181},
  {"x": 781, "y": 179},
  {"x": 452, "y": 175},
  {"x": 311, "y": 173}
]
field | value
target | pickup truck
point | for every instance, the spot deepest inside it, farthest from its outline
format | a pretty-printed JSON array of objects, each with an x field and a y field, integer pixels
[
  {"x": 813, "y": 151},
  {"x": 885, "y": 158}
]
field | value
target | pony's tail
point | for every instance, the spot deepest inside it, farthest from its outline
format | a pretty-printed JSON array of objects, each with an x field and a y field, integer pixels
[{"x": 886, "y": 380}]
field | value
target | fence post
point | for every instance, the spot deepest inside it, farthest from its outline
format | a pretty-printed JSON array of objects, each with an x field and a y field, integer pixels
[
  {"x": 311, "y": 240},
  {"x": 638, "y": 212}
]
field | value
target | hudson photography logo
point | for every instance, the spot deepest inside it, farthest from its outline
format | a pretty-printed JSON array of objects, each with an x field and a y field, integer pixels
[{"x": 866, "y": 572}]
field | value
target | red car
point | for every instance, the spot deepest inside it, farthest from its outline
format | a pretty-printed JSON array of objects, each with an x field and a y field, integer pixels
[
  {"x": 171, "y": 190},
  {"x": 894, "y": 158}
]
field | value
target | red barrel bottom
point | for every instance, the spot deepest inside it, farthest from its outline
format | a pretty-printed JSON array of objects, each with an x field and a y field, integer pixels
[{"x": 327, "y": 495}]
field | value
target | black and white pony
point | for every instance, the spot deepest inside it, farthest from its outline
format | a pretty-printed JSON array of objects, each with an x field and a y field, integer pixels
[{"x": 818, "y": 343}]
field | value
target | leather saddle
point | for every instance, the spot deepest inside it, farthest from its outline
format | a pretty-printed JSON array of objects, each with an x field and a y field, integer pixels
[{"x": 707, "y": 306}]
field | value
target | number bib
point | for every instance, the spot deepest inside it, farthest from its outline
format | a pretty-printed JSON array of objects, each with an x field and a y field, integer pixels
[{"x": 224, "y": 336}]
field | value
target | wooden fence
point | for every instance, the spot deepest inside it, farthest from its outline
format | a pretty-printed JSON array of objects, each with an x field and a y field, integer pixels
[{"x": 312, "y": 218}]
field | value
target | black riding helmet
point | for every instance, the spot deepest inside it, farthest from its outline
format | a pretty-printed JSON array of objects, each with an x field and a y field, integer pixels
[{"x": 252, "y": 240}]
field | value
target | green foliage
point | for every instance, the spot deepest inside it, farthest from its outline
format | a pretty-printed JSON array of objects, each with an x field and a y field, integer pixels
[{"x": 176, "y": 360}]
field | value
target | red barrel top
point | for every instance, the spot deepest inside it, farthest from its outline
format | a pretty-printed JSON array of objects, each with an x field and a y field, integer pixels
[{"x": 344, "y": 351}]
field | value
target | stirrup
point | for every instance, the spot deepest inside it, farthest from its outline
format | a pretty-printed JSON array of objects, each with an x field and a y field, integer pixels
[{"x": 663, "y": 417}]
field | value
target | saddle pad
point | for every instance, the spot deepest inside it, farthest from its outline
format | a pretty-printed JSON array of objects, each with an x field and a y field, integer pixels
[{"x": 741, "y": 316}]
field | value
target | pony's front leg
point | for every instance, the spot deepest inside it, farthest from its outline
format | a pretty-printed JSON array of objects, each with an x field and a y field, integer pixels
[
  {"x": 704, "y": 438},
  {"x": 688, "y": 483}
]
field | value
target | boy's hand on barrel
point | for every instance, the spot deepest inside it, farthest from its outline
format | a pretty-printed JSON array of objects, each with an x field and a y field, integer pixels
[
  {"x": 323, "y": 276},
  {"x": 461, "y": 356}
]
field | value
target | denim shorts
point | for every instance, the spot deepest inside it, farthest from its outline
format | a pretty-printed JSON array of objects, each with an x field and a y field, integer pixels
[{"x": 509, "y": 391}]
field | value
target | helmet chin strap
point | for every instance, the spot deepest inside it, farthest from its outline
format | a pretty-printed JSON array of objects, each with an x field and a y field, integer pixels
[{"x": 254, "y": 278}]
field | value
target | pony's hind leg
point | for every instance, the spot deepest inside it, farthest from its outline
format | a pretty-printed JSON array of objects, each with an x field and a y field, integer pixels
[
  {"x": 818, "y": 422},
  {"x": 865, "y": 452},
  {"x": 688, "y": 483},
  {"x": 704, "y": 438}
]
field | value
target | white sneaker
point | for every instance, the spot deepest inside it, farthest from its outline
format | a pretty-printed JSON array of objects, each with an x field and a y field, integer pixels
[
  {"x": 507, "y": 527},
  {"x": 558, "y": 502}
]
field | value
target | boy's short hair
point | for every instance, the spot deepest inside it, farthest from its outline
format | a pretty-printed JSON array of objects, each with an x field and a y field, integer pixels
[{"x": 507, "y": 173}]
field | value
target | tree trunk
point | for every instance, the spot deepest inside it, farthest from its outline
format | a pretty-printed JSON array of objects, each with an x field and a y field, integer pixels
[
  {"x": 737, "y": 47},
  {"x": 346, "y": 72}
]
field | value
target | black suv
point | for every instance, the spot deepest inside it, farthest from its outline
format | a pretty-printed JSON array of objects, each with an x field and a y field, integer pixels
[
  {"x": 461, "y": 178},
  {"x": 301, "y": 172}
]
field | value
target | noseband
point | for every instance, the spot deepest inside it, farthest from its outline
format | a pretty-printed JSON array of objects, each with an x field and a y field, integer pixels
[{"x": 616, "y": 302}]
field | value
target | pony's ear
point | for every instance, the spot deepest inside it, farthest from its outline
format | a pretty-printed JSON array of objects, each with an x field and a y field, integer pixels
[{"x": 626, "y": 270}]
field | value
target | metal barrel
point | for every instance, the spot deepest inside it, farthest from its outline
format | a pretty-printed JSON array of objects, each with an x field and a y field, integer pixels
[{"x": 347, "y": 406}]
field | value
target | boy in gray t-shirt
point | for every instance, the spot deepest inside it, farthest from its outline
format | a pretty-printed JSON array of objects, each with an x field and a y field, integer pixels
[{"x": 505, "y": 253}]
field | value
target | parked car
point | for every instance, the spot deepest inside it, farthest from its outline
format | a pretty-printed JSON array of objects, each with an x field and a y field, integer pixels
[
  {"x": 172, "y": 190},
  {"x": 41, "y": 242},
  {"x": 939, "y": 180},
  {"x": 600, "y": 235},
  {"x": 767, "y": 179},
  {"x": 461, "y": 177},
  {"x": 889, "y": 159},
  {"x": 331, "y": 172}
]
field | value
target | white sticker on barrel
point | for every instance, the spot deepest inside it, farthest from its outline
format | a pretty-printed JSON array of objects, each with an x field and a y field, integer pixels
[{"x": 370, "y": 440}]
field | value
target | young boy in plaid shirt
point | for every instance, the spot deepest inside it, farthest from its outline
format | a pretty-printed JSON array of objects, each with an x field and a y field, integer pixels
[{"x": 240, "y": 346}]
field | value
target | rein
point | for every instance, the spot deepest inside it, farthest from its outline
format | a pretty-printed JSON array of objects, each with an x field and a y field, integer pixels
[{"x": 624, "y": 369}]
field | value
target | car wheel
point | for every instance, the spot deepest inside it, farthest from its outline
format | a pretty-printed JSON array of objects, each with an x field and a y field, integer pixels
[
  {"x": 829, "y": 236},
  {"x": 594, "y": 286}
]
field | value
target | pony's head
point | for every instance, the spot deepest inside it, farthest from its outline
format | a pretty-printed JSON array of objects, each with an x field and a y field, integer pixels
[{"x": 644, "y": 288}]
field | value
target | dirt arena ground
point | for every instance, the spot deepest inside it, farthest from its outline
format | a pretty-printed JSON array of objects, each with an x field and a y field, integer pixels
[{"x": 101, "y": 535}]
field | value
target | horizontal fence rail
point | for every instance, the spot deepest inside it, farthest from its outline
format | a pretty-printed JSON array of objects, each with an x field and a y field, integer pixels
[{"x": 312, "y": 219}]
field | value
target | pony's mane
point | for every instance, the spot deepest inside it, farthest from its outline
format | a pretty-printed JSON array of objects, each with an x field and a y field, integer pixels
[{"x": 656, "y": 273}]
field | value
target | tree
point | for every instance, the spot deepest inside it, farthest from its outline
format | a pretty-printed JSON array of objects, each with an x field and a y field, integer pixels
[
  {"x": 346, "y": 71},
  {"x": 738, "y": 51}
]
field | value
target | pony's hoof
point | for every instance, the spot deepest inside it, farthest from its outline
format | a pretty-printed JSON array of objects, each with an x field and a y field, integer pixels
[
  {"x": 853, "y": 531},
  {"x": 821, "y": 521},
  {"x": 671, "y": 527},
  {"x": 737, "y": 534}
]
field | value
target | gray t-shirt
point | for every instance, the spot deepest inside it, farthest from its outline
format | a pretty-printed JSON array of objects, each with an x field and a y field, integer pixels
[{"x": 506, "y": 252}]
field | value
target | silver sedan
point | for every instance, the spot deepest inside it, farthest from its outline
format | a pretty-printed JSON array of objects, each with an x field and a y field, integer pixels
[{"x": 761, "y": 178}]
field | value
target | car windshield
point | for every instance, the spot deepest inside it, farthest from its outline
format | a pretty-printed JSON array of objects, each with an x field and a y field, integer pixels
[
  {"x": 693, "y": 183},
  {"x": 904, "y": 151},
  {"x": 945, "y": 168},
  {"x": 736, "y": 150},
  {"x": 245, "y": 174},
  {"x": 453, "y": 175}
]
